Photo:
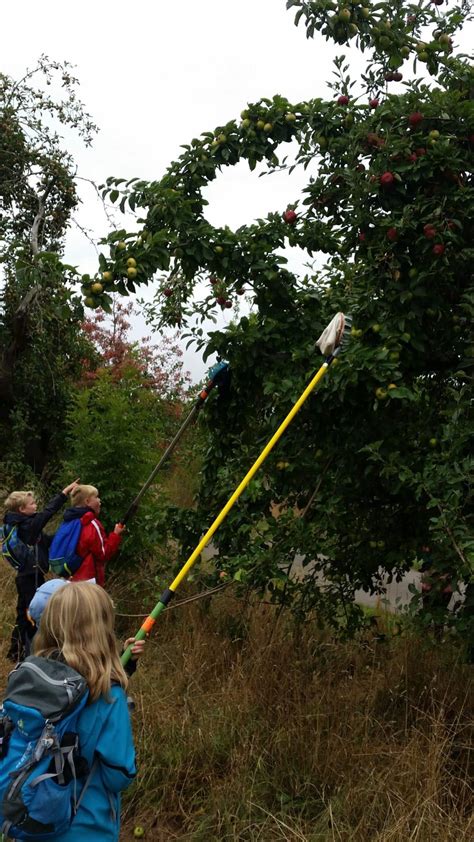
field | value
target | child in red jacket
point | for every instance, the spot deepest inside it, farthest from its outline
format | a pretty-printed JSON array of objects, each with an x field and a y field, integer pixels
[{"x": 95, "y": 547}]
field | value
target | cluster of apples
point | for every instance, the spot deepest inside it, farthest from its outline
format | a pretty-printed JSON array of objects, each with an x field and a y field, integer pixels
[
  {"x": 262, "y": 122},
  {"x": 94, "y": 289}
]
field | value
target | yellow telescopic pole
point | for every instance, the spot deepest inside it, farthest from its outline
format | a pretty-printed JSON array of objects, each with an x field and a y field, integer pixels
[{"x": 170, "y": 592}]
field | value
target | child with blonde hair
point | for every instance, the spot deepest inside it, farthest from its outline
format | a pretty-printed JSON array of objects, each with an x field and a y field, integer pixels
[
  {"x": 76, "y": 635},
  {"x": 94, "y": 547},
  {"x": 30, "y": 559}
]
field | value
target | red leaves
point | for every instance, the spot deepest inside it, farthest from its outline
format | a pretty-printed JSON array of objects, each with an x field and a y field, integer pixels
[{"x": 160, "y": 366}]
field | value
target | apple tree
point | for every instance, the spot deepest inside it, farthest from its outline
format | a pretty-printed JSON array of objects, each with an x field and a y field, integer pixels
[
  {"x": 39, "y": 316},
  {"x": 380, "y": 461}
]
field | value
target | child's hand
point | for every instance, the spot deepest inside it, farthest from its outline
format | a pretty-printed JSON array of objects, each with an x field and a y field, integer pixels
[
  {"x": 118, "y": 528},
  {"x": 137, "y": 647},
  {"x": 71, "y": 487}
]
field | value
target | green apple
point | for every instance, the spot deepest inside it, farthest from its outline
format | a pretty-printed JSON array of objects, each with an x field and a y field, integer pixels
[{"x": 344, "y": 15}]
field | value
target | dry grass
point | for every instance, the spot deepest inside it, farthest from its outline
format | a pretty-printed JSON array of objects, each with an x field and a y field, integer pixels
[{"x": 249, "y": 732}]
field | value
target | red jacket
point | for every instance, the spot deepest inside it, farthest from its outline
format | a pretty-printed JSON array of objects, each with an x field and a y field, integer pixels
[{"x": 95, "y": 548}]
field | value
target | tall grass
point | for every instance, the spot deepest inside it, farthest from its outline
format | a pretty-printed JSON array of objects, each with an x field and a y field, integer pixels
[{"x": 252, "y": 729}]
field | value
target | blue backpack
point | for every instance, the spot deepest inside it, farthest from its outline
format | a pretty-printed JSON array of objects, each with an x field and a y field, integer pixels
[
  {"x": 63, "y": 559},
  {"x": 18, "y": 554},
  {"x": 40, "y": 765}
]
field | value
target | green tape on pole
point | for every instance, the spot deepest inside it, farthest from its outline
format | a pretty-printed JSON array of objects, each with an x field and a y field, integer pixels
[{"x": 142, "y": 633}]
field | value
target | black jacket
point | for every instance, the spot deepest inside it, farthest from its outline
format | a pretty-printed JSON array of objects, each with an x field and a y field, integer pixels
[{"x": 30, "y": 531}]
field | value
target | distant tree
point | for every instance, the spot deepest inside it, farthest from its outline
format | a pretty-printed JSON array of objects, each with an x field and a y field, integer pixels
[
  {"x": 40, "y": 344},
  {"x": 159, "y": 364}
]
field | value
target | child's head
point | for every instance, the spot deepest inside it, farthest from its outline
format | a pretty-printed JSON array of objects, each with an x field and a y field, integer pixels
[
  {"x": 23, "y": 502},
  {"x": 78, "y": 621},
  {"x": 86, "y": 495},
  {"x": 42, "y": 596}
]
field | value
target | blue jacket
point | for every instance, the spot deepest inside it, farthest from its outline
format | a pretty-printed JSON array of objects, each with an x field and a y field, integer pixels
[{"x": 105, "y": 733}]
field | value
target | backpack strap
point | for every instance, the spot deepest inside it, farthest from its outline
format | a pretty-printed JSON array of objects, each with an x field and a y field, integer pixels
[{"x": 86, "y": 784}]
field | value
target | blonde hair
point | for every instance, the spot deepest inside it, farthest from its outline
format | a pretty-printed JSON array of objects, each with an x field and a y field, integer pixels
[
  {"x": 16, "y": 500},
  {"x": 82, "y": 492},
  {"x": 78, "y": 621}
]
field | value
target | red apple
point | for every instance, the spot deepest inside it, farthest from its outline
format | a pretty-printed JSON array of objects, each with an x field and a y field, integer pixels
[
  {"x": 362, "y": 237},
  {"x": 429, "y": 231},
  {"x": 240, "y": 291},
  {"x": 421, "y": 151},
  {"x": 387, "y": 179},
  {"x": 374, "y": 103},
  {"x": 439, "y": 249},
  {"x": 213, "y": 280},
  {"x": 343, "y": 100},
  {"x": 413, "y": 157},
  {"x": 290, "y": 216},
  {"x": 228, "y": 304},
  {"x": 415, "y": 119},
  {"x": 392, "y": 235},
  {"x": 168, "y": 292},
  {"x": 397, "y": 76},
  {"x": 221, "y": 300}
]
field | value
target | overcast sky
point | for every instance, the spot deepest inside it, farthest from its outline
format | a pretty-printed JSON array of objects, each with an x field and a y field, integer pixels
[{"x": 154, "y": 75}]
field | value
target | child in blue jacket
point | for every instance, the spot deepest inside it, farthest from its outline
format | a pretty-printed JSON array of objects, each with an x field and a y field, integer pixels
[{"x": 77, "y": 626}]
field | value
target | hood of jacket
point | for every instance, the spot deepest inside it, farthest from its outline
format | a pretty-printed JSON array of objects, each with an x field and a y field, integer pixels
[
  {"x": 15, "y": 518},
  {"x": 76, "y": 512}
]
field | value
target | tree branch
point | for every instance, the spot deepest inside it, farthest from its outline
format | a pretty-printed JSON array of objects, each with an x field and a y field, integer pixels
[{"x": 34, "y": 233}]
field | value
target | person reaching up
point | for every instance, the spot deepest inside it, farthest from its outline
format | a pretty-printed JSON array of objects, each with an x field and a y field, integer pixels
[{"x": 94, "y": 547}]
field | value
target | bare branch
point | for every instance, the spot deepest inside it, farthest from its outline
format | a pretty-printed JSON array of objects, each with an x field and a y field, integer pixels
[{"x": 39, "y": 218}]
